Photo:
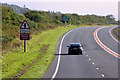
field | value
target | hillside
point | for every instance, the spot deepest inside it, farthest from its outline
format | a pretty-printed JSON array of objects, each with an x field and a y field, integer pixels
[
  {"x": 74, "y": 19},
  {"x": 16, "y": 8},
  {"x": 39, "y": 21}
]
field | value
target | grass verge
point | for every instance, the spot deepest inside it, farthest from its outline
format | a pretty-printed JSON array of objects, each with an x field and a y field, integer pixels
[
  {"x": 16, "y": 61},
  {"x": 116, "y": 33}
]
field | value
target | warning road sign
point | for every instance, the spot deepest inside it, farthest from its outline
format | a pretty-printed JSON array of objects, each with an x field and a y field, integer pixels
[
  {"x": 24, "y": 25},
  {"x": 24, "y": 31}
]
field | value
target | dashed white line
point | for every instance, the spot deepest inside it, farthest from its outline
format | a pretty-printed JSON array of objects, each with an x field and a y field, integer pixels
[
  {"x": 93, "y": 63},
  {"x": 89, "y": 59},
  {"x": 86, "y": 55},
  {"x": 97, "y": 68},
  {"x": 103, "y": 75}
]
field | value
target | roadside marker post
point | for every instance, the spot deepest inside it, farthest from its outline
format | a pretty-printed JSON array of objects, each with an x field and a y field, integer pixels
[{"x": 24, "y": 33}]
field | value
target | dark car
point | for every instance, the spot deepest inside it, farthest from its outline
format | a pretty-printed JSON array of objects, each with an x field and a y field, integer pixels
[{"x": 75, "y": 49}]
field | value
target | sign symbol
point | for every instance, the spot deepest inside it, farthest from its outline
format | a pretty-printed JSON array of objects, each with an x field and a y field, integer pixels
[
  {"x": 24, "y": 33},
  {"x": 24, "y": 25}
]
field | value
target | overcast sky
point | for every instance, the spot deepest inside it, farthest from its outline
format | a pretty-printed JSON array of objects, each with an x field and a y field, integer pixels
[{"x": 98, "y": 7}]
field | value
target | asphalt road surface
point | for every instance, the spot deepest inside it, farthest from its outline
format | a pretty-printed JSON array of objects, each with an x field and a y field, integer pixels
[{"x": 94, "y": 63}]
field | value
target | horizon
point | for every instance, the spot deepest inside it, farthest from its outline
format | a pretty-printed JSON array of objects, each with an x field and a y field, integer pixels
[{"x": 80, "y": 8}]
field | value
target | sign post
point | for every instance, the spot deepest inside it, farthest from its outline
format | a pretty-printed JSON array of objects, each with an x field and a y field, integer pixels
[
  {"x": 65, "y": 18},
  {"x": 24, "y": 45},
  {"x": 24, "y": 33},
  {"x": 65, "y": 23}
]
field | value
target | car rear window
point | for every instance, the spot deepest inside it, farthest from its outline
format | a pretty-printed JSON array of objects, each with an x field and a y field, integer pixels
[{"x": 75, "y": 45}]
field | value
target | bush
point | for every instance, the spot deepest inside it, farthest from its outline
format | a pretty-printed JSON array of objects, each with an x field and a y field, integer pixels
[
  {"x": 41, "y": 25},
  {"x": 6, "y": 39}
]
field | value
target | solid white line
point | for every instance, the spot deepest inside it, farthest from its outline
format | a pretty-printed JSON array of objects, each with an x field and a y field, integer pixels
[
  {"x": 110, "y": 32},
  {"x": 58, "y": 62}
]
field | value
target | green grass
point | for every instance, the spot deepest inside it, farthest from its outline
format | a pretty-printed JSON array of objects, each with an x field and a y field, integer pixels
[
  {"x": 13, "y": 63},
  {"x": 116, "y": 33}
]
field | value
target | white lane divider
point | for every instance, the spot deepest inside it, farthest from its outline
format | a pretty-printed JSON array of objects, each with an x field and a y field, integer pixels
[
  {"x": 86, "y": 55},
  {"x": 97, "y": 68},
  {"x": 93, "y": 63},
  {"x": 102, "y": 45},
  {"x": 103, "y": 75},
  {"x": 58, "y": 62}
]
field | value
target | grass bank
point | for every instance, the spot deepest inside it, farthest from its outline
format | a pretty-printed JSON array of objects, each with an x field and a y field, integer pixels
[{"x": 116, "y": 33}]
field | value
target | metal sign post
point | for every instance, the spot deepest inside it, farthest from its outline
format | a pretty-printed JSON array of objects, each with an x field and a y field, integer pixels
[
  {"x": 24, "y": 45},
  {"x": 24, "y": 33},
  {"x": 65, "y": 23}
]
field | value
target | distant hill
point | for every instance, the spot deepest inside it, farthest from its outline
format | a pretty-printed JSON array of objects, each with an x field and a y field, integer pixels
[
  {"x": 40, "y": 21},
  {"x": 16, "y": 8}
]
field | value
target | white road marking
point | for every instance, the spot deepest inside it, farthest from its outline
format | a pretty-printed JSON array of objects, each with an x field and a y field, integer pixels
[
  {"x": 58, "y": 62},
  {"x": 97, "y": 68},
  {"x": 89, "y": 59},
  {"x": 86, "y": 55},
  {"x": 82, "y": 48},
  {"x": 102, "y": 45},
  {"x": 103, "y": 75},
  {"x": 110, "y": 32},
  {"x": 93, "y": 63}
]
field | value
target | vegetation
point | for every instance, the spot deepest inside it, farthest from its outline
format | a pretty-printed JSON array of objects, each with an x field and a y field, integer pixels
[
  {"x": 74, "y": 19},
  {"x": 116, "y": 32},
  {"x": 45, "y": 33},
  {"x": 49, "y": 38},
  {"x": 16, "y": 8}
]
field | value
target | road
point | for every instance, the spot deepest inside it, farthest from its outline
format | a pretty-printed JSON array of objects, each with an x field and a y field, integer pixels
[{"x": 96, "y": 62}]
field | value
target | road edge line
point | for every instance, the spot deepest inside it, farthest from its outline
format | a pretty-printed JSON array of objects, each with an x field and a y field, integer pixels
[
  {"x": 112, "y": 35},
  {"x": 102, "y": 45},
  {"x": 58, "y": 62}
]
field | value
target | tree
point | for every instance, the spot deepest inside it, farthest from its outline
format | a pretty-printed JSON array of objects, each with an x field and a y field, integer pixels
[{"x": 110, "y": 16}]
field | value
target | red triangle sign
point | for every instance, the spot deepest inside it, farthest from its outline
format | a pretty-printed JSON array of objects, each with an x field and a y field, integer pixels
[{"x": 24, "y": 25}]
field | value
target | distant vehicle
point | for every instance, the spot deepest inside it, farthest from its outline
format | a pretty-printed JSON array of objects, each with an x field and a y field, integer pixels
[{"x": 75, "y": 49}]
